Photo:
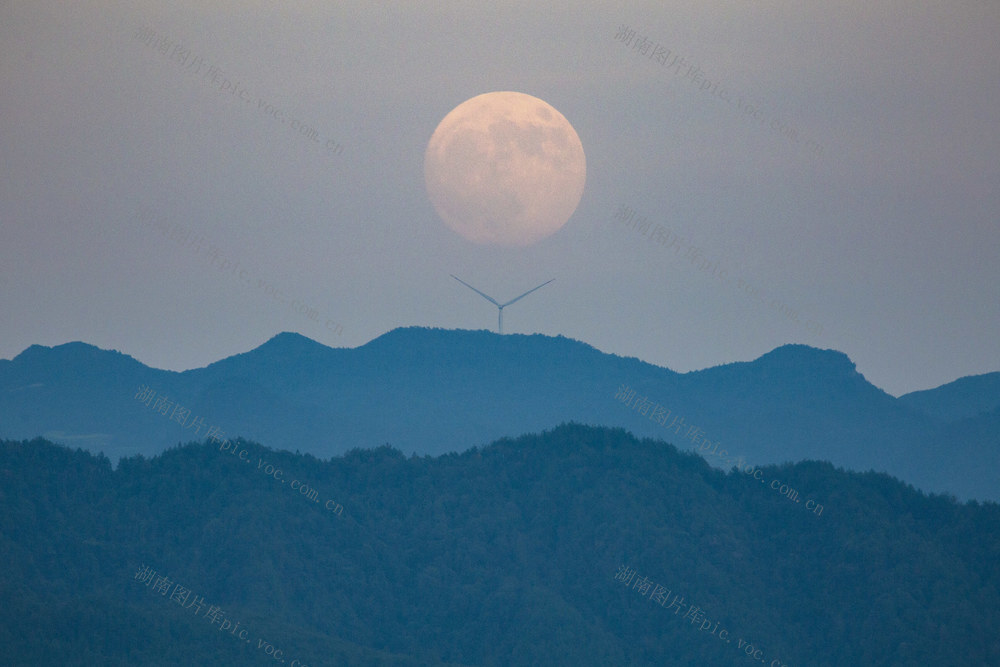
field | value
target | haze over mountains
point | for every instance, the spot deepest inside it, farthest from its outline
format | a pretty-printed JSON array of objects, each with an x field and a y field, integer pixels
[
  {"x": 544, "y": 541},
  {"x": 431, "y": 391}
]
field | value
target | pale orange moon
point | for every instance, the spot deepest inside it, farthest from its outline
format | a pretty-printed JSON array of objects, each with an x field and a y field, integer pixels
[{"x": 505, "y": 168}]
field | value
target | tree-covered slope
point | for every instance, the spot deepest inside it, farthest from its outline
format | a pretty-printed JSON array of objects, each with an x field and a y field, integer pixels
[{"x": 555, "y": 548}]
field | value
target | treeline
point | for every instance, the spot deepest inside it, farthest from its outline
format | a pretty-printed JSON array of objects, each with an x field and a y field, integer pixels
[{"x": 511, "y": 554}]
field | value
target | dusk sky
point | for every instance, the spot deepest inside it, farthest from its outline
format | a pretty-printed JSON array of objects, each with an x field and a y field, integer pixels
[{"x": 167, "y": 165}]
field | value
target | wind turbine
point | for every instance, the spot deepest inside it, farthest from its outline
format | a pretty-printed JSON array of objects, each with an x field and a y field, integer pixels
[{"x": 499, "y": 305}]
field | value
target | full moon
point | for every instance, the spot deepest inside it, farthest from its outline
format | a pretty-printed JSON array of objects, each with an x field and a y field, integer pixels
[{"x": 505, "y": 168}]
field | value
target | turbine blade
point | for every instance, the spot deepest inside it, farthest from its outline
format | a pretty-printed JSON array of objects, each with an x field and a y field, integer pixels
[
  {"x": 485, "y": 296},
  {"x": 525, "y": 294}
]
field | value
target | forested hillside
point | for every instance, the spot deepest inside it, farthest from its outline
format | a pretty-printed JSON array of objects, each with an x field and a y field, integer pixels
[
  {"x": 576, "y": 546},
  {"x": 432, "y": 391}
]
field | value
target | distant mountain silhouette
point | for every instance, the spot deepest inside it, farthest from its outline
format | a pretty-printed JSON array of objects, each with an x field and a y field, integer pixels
[
  {"x": 963, "y": 398},
  {"x": 431, "y": 391}
]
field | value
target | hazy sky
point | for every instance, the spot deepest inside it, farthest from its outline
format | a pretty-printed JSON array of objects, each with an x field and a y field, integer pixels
[{"x": 136, "y": 175}]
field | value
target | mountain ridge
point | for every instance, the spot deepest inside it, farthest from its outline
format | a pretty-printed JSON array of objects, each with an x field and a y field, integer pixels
[
  {"x": 967, "y": 396},
  {"x": 528, "y": 541},
  {"x": 434, "y": 390}
]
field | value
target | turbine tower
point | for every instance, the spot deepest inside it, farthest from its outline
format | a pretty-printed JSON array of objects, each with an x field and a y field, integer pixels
[{"x": 500, "y": 306}]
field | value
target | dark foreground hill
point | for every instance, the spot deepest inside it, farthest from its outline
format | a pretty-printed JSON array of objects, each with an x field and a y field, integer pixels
[
  {"x": 580, "y": 546},
  {"x": 432, "y": 391}
]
